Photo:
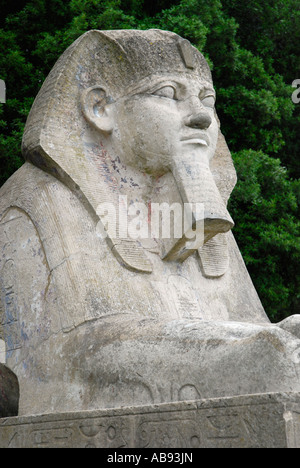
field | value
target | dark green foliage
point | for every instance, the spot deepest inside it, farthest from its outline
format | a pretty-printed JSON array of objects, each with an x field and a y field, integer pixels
[
  {"x": 252, "y": 48},
  {"x": 265, "y": 204}
]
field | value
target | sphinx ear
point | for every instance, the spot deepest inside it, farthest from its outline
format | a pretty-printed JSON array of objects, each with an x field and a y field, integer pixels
[{"x": 97, "y": 108}]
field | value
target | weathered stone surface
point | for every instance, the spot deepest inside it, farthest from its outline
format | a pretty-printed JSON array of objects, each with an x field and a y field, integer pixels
[
  {"x": 9, "y": 392},
  {"x": 256, "y": 421},
  {"x": 100, "y": 319},
  {"x": 2, "y": 352},
  {"x": 291, "y": 324}
]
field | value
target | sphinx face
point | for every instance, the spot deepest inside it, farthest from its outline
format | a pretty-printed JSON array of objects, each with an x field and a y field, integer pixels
[
  {"x": 170, "y": 126},
  {"x": 165, "y": 121}
]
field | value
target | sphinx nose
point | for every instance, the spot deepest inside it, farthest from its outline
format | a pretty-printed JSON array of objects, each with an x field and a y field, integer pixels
[
  {"x": 200, "y": 120},
  {"x": 197, "y": 115}
]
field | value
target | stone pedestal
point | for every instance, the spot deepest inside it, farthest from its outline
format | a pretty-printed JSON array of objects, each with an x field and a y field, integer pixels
[{"x": 263, "y": 420}]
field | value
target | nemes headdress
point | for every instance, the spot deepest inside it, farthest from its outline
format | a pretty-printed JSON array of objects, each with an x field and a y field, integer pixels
[{"x": 120, "y": 61}]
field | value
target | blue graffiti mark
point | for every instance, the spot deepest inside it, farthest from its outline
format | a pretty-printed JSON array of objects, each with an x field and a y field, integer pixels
[
  {"x": 9, "y": 344},
  {"x": 24, "y": 335},
  {"x": 10, "y": 307}
]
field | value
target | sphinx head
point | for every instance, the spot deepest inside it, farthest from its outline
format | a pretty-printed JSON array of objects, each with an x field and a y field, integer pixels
[
  {"x": 164, "y": 112},
  {"x": 135, "y": 101}
]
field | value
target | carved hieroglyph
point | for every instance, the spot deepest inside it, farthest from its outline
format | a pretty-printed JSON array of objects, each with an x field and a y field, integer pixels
[
  {"x": 94, "y": 318},
  {"x": 251, "y": 421}
]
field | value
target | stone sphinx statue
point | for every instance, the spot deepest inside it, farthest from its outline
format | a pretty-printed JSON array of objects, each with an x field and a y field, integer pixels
[{"x": 98, "y": 308}]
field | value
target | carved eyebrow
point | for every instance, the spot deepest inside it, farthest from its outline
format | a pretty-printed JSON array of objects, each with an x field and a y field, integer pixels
[
  {"x": 163, "y": 81},
  {"x": 155, "y": 87},
  {"x": 208, "y": 91},
  {"x": 177, "y": 85}
]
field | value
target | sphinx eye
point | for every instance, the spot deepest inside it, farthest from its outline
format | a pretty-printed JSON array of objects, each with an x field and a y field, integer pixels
[
  {"x": 208, "y": 101},
  {"x": 165, "y": 91}
]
